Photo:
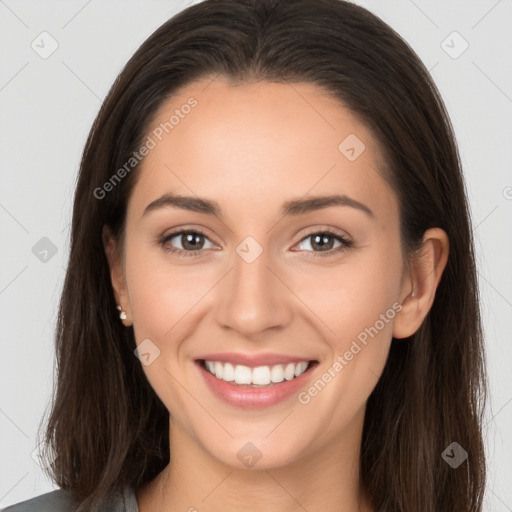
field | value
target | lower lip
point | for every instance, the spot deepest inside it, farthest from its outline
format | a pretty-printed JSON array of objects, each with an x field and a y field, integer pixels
[{"x": 251, "y": 397}]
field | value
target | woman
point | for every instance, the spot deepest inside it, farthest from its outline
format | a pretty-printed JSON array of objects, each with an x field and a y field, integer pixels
[{"x": 271, "y": 298}]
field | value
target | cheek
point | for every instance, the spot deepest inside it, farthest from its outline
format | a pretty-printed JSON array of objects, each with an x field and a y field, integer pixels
[
  {"x": 345, "y": 297},
  {"x": 351, "y": 296},
  {"x": 355, "y": 303},
  {"x": 358, "y": 351},
  {"x": 161, "y": 294},
  {"x": 162, "y": 299}
]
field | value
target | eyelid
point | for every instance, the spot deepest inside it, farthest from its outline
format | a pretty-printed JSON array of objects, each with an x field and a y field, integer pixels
[
  {"x": 325, "y": 229},
  {"x": 164, "y": 238},
  {"x": 345, "y": 241},
  {"x": 170, "y": 233}
]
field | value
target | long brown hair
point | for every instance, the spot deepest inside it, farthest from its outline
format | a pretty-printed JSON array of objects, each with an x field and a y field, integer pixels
[{"x": 107, "y": 428}]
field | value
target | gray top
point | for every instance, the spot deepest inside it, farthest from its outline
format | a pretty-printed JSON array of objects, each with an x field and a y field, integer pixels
[{"x": 62, "y": 501}]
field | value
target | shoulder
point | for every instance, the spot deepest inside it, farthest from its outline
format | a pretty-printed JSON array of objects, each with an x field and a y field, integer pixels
[
  {"x": 55, "y": 501},
  {"x": 62, "y": 501}
]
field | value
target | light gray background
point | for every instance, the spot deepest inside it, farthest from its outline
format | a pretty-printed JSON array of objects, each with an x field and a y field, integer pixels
[{"x": 48, "y": 105}]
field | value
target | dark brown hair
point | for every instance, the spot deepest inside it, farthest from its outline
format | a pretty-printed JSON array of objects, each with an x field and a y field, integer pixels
[{"x": 107, "y": 428}]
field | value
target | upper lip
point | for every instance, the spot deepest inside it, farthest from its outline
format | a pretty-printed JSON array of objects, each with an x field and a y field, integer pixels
[{"x": 253, "y": 360}]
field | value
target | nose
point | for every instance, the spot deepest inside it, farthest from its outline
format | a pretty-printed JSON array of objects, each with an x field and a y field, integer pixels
[{"x": 254, "y": 297}]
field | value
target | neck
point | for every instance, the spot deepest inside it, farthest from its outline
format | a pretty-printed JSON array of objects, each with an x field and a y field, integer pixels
[{"x": 196, "y": 481}]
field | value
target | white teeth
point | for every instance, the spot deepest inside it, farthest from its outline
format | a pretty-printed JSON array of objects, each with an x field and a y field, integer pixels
[
  {"x": 300, "y": 369},
  {"x": 259, "y": 376},
  {"x": 277, "y": 373},
  {"x": 243, "y": 374},
  {"x": 228, "y": 372},
  {"x": 289, "y": 371},
  {"x": 218, "y": 370}
]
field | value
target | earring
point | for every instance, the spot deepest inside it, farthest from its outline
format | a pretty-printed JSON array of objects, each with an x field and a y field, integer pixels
[{"x": 122, "y": 313}]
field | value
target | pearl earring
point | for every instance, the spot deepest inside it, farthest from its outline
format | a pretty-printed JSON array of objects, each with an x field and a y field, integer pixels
[{"x": 122, "y": 313}]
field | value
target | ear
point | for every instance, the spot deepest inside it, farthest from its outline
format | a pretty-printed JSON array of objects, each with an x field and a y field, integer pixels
[
  {"x": 420, "y": 283},
  {"x": 117, "y": 278}
]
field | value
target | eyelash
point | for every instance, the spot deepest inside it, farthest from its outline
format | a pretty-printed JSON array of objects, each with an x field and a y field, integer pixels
[{"x": 345, "y": 243}]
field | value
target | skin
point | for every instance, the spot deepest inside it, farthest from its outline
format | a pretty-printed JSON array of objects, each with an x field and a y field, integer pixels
[{"x": 250, "y": 148}]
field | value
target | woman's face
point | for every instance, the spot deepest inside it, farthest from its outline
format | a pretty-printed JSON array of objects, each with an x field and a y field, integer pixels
[{"x": 260, "y": 282}]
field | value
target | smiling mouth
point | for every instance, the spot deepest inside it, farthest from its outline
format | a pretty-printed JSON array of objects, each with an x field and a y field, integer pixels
[{"x": 257, "y": 377}]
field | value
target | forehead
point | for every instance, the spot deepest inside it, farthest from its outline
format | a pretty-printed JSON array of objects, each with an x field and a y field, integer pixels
[{"x": 258, "y": 144}]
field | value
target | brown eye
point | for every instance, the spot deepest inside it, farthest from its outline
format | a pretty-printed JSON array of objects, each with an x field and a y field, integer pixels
[
  {"x": 324, "y": 242},
  {"x": 185, "y": 242}
]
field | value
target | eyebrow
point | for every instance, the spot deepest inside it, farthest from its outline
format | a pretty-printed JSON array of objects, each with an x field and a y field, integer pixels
[{"x": 289, "y": 208}]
